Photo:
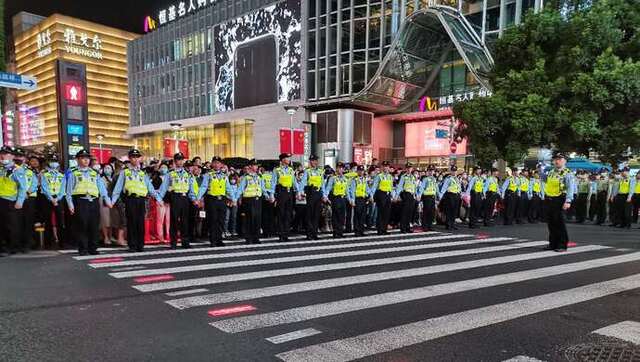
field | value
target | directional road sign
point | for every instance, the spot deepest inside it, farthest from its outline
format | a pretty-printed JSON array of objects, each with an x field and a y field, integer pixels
[{"x": 17, "y": 81}]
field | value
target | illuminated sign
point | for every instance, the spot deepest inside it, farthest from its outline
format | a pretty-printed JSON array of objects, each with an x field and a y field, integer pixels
[
  {"x": 181, "y": 9},
  {"x": 428, "y": 104},
  {"x": 149, "y": 24},
  {"x": 75, "y": 129},
  {"x": 73, "y": 93},
  {"x": 43, "y": 40},
  {"x": 424, "y": 139},
  {"x": 82, "y": 44}
]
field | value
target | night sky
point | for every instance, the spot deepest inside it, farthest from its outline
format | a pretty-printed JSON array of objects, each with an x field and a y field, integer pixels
[{"x": 123, "y": 14}]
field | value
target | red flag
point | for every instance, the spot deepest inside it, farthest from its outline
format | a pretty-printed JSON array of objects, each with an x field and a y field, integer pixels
[
  {"x": 183, "y": 146},
  {"x": 285, "y": 140},
  {"x": 298, "y": 142},
  {"x": 102, "y": 157},
  {"x": 169, "y": 147}
]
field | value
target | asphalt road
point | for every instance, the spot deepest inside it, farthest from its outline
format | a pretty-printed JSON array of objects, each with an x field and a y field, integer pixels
[{"x": 486, "y": 294}]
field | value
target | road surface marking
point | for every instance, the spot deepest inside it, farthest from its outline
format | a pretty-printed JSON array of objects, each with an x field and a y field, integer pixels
[
  {"x": 627, "y": 331},
  {"x": 523, "y": 359},
  {"x": 289, "y": 259},
  {"x": 187, "y": 283},
  {"x": 390, "y": 339},
  {"x": 128, "y": 268},
  {"x": 321, "y": 310},
  {"x": 292, "y": 336},
  {"x": 250, "y": 294},
  {"x": 187, "y": 292},
  {"x": 209, "y": 256}
]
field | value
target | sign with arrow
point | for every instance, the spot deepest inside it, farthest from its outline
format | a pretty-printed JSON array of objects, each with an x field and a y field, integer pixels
[{"x": 17, "y": 81}]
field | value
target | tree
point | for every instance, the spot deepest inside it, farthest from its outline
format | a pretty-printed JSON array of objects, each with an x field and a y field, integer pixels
[{"x": 568, "y": 80}]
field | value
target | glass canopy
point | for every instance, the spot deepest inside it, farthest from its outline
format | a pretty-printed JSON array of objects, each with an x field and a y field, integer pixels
[{"x": 429, "y": 44}]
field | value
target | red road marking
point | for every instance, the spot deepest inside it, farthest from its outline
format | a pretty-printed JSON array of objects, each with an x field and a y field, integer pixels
[
  {"x": 482, "y": 236},
  {"x": 154, "y": 278},
  {"x": 106, "y": 260},
  {"x": 571, "y": 244},
  {"x": 231, "y": 310}
]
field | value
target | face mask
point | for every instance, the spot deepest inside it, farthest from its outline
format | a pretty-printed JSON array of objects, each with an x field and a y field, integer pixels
[
  {"x": 108, "y": 171},
  {"x": 163, "y": 171},
  {"x": 6, "y": 162},
  {"x": 54, "y": 165},
  {"x": 97, "y": 168}
]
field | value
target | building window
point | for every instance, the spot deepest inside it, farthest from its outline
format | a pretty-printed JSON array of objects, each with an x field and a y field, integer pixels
[
  {"x": 362, "y": 127},
  {"x": 327, "y": 127}
]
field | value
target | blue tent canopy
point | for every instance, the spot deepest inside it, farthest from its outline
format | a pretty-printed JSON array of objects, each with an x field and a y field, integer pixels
[{"x": 585, "y": 164}]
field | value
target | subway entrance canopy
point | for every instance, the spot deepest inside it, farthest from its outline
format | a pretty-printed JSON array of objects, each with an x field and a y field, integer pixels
[{"x": 427, "y": 42}]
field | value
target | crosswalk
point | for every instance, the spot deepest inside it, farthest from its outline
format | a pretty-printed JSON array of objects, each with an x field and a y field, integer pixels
[{"x": 301, "y": 298}]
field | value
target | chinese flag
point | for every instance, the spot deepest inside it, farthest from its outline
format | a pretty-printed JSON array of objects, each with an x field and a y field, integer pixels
[
  {"x": 298, "y": 142},
  {"x": 169, "y": 147},
  {"x": 285, "y": 140},
  {"x": 183, "y": 146},
  {"x": 102, "y": 157}
]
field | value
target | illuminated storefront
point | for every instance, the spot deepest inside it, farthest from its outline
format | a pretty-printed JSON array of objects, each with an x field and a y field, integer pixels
[{"x": 101, "y": 51}]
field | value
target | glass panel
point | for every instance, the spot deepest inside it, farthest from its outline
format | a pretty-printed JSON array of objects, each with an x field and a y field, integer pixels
[
  {"x": 374, "y": 32},
  {"x": 360, "y": 34},
  {"x": 346, "y": 36}
]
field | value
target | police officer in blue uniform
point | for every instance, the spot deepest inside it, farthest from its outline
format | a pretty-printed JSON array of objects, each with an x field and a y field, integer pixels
[
  {"x": 13, "y": 191},
  {"x": 53, "y": 188},
  {"x": 179, "y": 183}
]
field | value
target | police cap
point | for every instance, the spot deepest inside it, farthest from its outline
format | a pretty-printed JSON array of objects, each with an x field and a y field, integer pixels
[
  {"x": 134, "y": 152},
  {"x": 340, "y": 165},
  {"x": 454, "y": 168},
  {"x": 252, "y": 162},
  {"x": 6, "y": 149},
  {"x": 216, "y": 158},
  {"x": 284, "y": 155},
  {"x": 83, "y": 154},
  {"x": 408, "y": 164},
  {"x": 179, "y": 156},
  {"x": 360, "y": 168},
  {"x": 558, "y": 154},
  {"x": 313, "y": 158}
]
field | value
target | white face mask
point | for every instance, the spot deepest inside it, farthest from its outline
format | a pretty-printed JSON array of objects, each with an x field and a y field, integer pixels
[
  {"x": 6, "y": 162},
  {"x": 97, "y": 167},
  {"x": 54, "y": 165}
]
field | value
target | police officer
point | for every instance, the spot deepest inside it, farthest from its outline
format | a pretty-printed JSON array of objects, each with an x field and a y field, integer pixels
[
  {"x": 406, "y": 190},
  {"x": 311, "y": 186},
  {"x": 53, "y": 188},
  {"x": 583, "y": 197},
  {"x": 84, "y": 190},
  {"x": 536, "y": 195},
  {"x": 179, "y": 183},
  {"x": 283, "y": 180},
  {"x": 490, "y": 196},
  {"x": 450, "y": 198},
  {"x": 216, "y": 190},
  {"x": 622, "y": 196},
  {"x": 29, "y": 206},
  {"x": 510, "y": 193},
  {"x": 250, "y": 191},
  {"x": 558, "y": 197},
  {"x": 336, "y": 192},
  {"x": 382, "y": 190},
  {"x": 428, "y": 190},
  {"x": 13, "y": 192},
  {"x": 268, "y": 208},
  {"x": 359, "y": 194},
  {"x": 522, "y": 207},
  {"x": 136, "y": 186},
  {"x": 350, "y": 174},
  {"x": 475, "y": 192},
  {"x": 602, "y": 190}
]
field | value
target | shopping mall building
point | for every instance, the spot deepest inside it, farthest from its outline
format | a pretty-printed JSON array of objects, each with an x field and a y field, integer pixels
[
  {"x": 81, "y": 98},
  {"x": 372, "y": 78}
]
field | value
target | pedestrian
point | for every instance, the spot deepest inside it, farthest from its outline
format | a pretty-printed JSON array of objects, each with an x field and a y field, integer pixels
[
  {"x": 406, "y": 192},
  {"x": 428, "y": 190},
  {"x": 105, "y": 210},
  {"x": 359, "y": 194},
  {"x": 382, "y": 193},
  {"x": 509, "y": 194},
  {"x": 310, "y": 187},
  {"x": 84, "y": 191},
  {"x": 136, "y": 185},
  {"x": 283, "y": 180},
  {"x": 336, "y": 192},
  {"x": 216, "y": 190},
  {"x": 558, "y": 197},
  {"x": 179, "y": 184},
  {"x": 475, "y": 193},
  {"x": 250, "y": 192},
  {"x": 53, "y": 188},
  {"x": 13, "y": 192},
  {"x": 163, "y": 210}
]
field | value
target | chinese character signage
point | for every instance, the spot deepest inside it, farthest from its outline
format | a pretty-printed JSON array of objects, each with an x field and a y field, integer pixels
[
  {"x": 75, "y": 42},
  {"x": 428, "y": 104},
  {"x": 180, "y": 9}
]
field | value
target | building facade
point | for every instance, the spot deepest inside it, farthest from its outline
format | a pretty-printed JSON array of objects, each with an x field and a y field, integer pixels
[{"x": 40, "y": 44}]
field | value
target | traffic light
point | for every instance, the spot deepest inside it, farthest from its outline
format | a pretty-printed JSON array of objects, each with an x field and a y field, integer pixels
[{"x": 73, "y": 122}]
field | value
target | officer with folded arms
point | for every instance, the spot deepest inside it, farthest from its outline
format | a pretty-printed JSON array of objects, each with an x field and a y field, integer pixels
[
  {"x": 53, "y": 187},
  {"x": 216, "y": 190},
  {"x": 137, "y": 186},
  {"x": 84, "y": 190}
]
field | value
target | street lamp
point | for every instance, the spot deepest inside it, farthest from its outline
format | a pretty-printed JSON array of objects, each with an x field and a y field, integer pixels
[
  {"x": 291, "y": 111},
  {"x": 100, "y": 137},
  {"x": 175, "y": 127}
]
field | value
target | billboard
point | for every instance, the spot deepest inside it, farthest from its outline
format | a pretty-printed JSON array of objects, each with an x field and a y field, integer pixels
[
  {"x": 429, "y": 139},
  {"x": 258, "y": 56}
]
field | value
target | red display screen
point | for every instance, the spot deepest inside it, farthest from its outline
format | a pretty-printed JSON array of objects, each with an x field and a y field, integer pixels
[
  {"x": 431, "y": 138},
  {"x": 73, "y": 92}
]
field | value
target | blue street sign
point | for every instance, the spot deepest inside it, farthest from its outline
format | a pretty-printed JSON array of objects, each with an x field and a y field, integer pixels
[{"x": 17, "y": 81}]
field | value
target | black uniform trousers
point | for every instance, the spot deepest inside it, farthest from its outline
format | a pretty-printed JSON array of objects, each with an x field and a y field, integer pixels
[
  {"x": 635, "y": 199},
  {"x": 28, "y": 219},
  {"x": 451, "y": 203},
  {"x": 428, "y": 211},
  {"x": 179, "y": 220},
  {"x": 285, "y": 201},
  {"x": 475, "y": 208},
  {"x": 49, "y": 210},
  {"x": 348, "y": 218},
  {"x": 406, "y": 211},
  {"x": 216, "y": 209},
  {"x": 601, "y": 207},
  {"x": 85, "y": 224},
  {"x": 489, "y": 206},
  {"x": 510, "y": 203},
  {"x": 558, "y": 236},
  {"x": 383, "y": 204},
  {"x": 314, "y": 207},
  {"x": 135, "y": 210},
  {"x": 623, "y": 210},
  {"x": 252, "y": 207},
  {"x": 535, "y": 209},
  {"x": 10, "y": 227},
  {"x": 338, "y": 214},
  {"x": 268, "y": 218},
  {"x": 581, "y": 207},
  {"x": 522, "y": 207},
  {"x": 360, "y": 215}
]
